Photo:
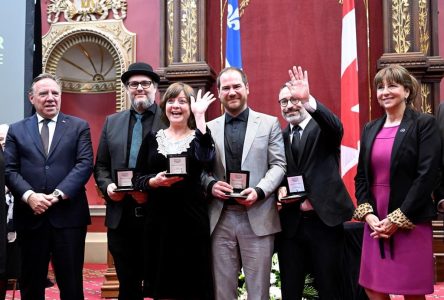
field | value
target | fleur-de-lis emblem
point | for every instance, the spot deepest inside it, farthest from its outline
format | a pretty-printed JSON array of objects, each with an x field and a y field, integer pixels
[{"x": 233, "y": 18}]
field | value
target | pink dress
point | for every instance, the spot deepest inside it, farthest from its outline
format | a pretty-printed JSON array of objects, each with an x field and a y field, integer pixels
[{"x": 410, "y": 270}]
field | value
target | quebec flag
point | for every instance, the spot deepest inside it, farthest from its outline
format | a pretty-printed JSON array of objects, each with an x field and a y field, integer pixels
[{"x": 233, "y": 53}]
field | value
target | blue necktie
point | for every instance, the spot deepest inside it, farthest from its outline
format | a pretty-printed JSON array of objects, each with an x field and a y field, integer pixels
[{"x": 136, "y": 141}]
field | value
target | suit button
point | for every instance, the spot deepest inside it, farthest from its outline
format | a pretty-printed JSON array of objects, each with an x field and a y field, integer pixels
[{"x": 46, "y": 167}]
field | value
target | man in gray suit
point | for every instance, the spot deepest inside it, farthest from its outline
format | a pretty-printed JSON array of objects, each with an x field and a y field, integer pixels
[
  {"x": 243, "y": 227},
  {"x": 118, "y": 149}
]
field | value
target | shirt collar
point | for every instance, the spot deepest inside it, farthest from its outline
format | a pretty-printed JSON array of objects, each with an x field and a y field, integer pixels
[
  {"x": 243, "y": 116},
  {"x": 40, "y": 118}
]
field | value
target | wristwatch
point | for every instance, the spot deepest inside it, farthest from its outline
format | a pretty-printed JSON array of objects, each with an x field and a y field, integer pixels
[{"x": 57, "y": 194}]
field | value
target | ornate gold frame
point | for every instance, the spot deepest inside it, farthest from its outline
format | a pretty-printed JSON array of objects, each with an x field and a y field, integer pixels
[{"x": 110, "y": 34}]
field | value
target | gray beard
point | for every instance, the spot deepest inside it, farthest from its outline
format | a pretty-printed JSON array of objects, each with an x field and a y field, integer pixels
[
  {"x": 294, "y": 119},
  {"x": 144, "y": 105}
]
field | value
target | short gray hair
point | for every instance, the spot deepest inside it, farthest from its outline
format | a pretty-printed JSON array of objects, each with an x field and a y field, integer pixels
[{"x": 44, "y": 76}]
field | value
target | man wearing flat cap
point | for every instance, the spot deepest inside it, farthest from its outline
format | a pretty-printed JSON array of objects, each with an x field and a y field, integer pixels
[{"x": 118, "y": 149}]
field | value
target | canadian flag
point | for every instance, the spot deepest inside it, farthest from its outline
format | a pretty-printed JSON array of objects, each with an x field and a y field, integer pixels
[{"x": 349, "y": 97}]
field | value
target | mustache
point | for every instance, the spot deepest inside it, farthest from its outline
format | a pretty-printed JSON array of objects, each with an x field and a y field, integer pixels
[{"x": 291, "y": 110}]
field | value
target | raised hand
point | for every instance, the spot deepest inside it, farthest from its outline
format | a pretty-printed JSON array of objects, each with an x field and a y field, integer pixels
[
  {"x": 298, "y": 84},
  {"x": 200, "y": 104}
]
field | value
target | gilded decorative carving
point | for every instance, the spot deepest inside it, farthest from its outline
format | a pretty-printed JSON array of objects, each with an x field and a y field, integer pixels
[
  {"x": 120, "y": 34},
  {"x": 188, "y": 31},
  {"x": 170, "y": 20},
  {"x": 401, "y": 25},
  {"x": 425, "y": 92},
  {"x": 88, "y": 87},
  {"x": 109, "y": 34},
  {"x": 242, "y": 5},
  {"x": 424, "y": 36},
  {"x": 85, "y": 10}
]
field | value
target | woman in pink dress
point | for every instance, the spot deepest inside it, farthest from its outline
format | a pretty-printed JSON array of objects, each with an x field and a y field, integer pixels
[{"x": 397, "y": 171}]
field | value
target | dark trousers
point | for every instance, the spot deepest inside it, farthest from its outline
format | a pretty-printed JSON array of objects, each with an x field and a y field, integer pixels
[
  {"x": 126, "y": 246},
  {"x": 3, "y": 283},
  {"x": 316, "y": 249},
  {"x": 66, "y": 248}
]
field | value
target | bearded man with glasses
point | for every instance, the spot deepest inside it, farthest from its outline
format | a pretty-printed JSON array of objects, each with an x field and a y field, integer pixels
[
  {"x": 119, "y": 145},
  {"x": 313, "y": 200}
]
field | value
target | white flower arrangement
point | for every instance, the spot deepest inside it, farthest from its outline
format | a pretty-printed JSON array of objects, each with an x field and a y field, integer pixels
[{"x": 275, "y": 284}]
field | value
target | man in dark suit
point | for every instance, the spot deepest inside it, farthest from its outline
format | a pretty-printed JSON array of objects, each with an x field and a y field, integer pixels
[
  {"x": 312, "y": 226},
  {"x": 118, "y": 149},
  {"x": 49, "y": 159},
  {"x": 3, "y": 278}
]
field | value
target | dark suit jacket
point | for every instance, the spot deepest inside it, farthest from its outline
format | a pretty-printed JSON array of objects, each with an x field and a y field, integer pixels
[
  {"x": 2, "y": 217},
  {"x": 67, "y": 168},
  {"x": 414, "y": 165},
  {"x": 319, "y": 163},
  {"x": 112, "y": 154},
  {"x": 439, "y": 192}
]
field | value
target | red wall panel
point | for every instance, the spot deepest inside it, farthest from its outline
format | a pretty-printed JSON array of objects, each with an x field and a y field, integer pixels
[
  {"x": 278, "y": 34},
  {"x": 92, "y": 108}
]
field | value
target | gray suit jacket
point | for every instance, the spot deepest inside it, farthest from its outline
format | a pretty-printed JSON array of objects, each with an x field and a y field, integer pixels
[
  {"x": 112, "y": 154},
  {"x": 264, "y": 156}
]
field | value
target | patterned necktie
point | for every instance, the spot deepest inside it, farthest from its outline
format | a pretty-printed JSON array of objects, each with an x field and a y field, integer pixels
[
  {"x": 296, "y": 141},
  {"x": 136, "y": 141},
  {"x": 44, "y": 133}
]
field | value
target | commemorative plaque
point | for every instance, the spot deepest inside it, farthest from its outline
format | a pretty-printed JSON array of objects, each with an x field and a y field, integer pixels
[
  {"x": 124, "y": 180},
  {"x": 239, "y": 180},
  {"x": 177, "y": 165},
  {"x": 296, "y": 188}
]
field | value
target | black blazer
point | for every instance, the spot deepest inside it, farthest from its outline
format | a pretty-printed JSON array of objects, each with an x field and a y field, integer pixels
[
  {"x": 2, "y": 217},
  {"x": 319, "y": 163},
  {"x": 112, "y": 154},
  {"x": 414, "y": 165}
]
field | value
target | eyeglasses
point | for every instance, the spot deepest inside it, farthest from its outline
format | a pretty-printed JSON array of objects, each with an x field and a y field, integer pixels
[
  {"x": 135, "y": 84},
  {"x": 284, "y": 102}
]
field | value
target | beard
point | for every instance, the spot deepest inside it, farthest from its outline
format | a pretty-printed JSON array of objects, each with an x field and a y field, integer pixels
[
  {"x": 142, "y": 104},
  {"x": 296, "y": 117}
]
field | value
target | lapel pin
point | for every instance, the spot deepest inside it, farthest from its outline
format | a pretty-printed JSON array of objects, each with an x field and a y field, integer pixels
[{"x": 402, "y": 130}]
